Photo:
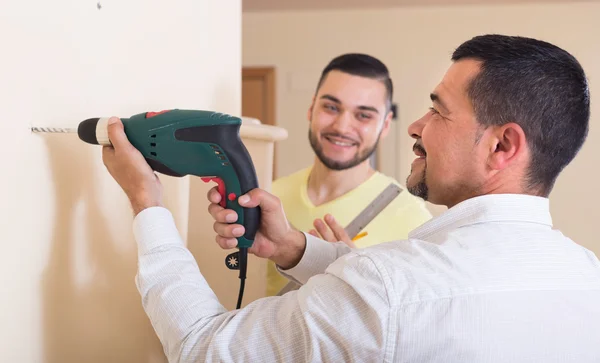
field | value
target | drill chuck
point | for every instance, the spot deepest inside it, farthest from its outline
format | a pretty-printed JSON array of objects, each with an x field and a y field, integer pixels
[{"x": 94, "y": 131}]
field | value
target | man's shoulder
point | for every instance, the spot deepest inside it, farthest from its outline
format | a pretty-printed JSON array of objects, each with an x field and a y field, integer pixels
[
  {"x": 411, "y": 252},
  {"x": 462, "y": 264},
  {"x": 415, "y": 270},
  {"x": 411, "y": 270}
]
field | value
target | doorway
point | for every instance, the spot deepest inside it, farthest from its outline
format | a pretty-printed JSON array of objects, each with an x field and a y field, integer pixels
[{"x": 258, "y": 98}]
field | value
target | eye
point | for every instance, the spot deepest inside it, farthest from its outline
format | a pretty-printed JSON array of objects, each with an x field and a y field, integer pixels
[
  {"x": 330, "y": 107},
  {"x": 433, "y": 110},
  {"x": 364, "y": 116}
]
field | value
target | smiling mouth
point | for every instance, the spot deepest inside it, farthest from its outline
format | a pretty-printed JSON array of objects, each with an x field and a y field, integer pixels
[{"x": 340, "y": 141}]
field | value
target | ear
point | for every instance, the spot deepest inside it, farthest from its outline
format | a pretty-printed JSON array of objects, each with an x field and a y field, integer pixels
[
  {"x": 387, "y": 123},
  {"x": 507, "y": 146}
]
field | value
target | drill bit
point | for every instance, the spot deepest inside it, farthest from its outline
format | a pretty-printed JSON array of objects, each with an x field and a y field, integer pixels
[{"x": 66, "y": 130}]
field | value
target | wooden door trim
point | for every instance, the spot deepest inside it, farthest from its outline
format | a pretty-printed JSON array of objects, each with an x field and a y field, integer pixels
[{"x": 267, "y": 74}]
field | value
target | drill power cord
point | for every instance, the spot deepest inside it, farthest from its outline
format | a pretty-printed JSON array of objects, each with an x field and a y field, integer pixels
[
  {"x": 243, "y": 268},
  {"x": 239, "y": 261}
]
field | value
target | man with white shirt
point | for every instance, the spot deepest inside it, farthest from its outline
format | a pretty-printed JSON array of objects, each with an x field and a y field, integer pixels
[{"x": 489, "y": 280}]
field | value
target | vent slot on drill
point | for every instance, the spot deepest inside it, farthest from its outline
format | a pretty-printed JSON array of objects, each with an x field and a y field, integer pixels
[{"x": 153, "y": 144}]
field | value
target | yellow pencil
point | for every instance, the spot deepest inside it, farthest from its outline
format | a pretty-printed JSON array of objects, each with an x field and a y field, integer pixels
[{"x": 359, "y": 236}]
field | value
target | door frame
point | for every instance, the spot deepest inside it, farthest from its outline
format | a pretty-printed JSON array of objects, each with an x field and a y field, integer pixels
[{"x": 267, "y": 76}]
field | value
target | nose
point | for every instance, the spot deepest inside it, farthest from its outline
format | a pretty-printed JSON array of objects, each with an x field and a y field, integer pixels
[
  {"x": 416, "y": 128},
  {"x": 343, "y": 122}
]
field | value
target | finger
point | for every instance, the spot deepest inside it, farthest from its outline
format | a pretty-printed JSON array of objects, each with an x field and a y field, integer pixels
[
  {"x": 336, "y": 228},
  {"x": 108, "y": 150},
  {"x": 222, "y": 215},
  {"x": 228, "y": 230},
  {"x": 116, "y": 134},
  {"x": 262, "y": 249},
  {"x": 314, "y": 233},
  {"x": 254, "y": 249},
  {"x": 214, "y": 196},
  {"x": 324, "y": 231},
  {"x": 226, "y": 243},
  {"x": 260, "y": 198},
  {"x": 107, "y": 153},
  {"x": 257, "y": 249}
]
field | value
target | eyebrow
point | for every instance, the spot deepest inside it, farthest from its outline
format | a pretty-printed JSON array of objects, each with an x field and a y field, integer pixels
[
  {"x": 333, "y": 99},
  {"x": 436, "y": 99}
]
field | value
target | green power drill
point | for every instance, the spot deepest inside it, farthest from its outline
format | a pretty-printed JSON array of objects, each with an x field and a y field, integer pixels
[{"x": 192, "y": 142}]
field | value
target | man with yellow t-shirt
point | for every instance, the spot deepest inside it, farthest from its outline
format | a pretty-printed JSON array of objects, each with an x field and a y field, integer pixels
[{"x": 349, "y": 113}]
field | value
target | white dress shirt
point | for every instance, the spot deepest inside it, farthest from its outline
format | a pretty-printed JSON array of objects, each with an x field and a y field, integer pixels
[{"x": 489, "y": 280}]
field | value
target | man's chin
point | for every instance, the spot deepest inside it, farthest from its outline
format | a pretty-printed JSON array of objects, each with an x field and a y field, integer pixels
[
  {"x": 339, "y": 164},
  {"x": 417, "y": 186},
  {"x": 412, "y": 180}
]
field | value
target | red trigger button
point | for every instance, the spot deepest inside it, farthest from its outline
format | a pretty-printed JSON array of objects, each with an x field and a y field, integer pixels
[
  {"x": 232, "y": 196},
  {"x": 152, "y": 114},
  {"x": 220, "y": 188}
]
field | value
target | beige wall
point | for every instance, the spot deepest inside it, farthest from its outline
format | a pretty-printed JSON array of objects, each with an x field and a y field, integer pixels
[
  {"x": 416, "y": 44},
  {"x": 68, "y": 257}
]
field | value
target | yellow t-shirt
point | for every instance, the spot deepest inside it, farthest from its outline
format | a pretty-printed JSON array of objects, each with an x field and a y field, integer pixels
[{"x": 402, "y": 215}]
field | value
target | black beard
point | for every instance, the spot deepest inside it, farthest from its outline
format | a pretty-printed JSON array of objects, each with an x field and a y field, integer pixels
[
  {"x": 420, "y": 189},
  {"x": 334, "y": 165}
]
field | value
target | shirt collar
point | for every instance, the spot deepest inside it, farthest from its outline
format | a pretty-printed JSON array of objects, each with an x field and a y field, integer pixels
[{"x": 488, "y": 208}]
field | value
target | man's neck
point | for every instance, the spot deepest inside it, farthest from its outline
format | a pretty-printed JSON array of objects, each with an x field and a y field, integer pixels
[
  {"x": 508, "y": 183},
  {"x": 325, "y": 185}
]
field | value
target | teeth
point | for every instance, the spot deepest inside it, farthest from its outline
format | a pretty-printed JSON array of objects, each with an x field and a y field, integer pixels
[{"x": 340, "y": 143}]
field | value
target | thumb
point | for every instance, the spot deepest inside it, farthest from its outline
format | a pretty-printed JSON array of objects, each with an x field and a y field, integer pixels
[
  {"x": 116, "y": 133},
  {"x": 260, "y": 198}
]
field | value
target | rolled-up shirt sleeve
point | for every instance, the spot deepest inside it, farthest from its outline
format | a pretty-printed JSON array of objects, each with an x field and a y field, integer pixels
[{"x": 339, "y": 315}]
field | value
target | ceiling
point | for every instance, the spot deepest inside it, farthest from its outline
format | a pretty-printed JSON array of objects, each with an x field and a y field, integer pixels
[{"x": 284, "y": 5}]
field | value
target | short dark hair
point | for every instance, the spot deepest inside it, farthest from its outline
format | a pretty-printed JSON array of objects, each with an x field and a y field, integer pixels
[
  {"x": 362, "y": 65},
  {"x": 537, "y": 85}
]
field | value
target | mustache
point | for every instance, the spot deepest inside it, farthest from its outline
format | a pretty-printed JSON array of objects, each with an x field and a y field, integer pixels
[
  {"x": 333, "y": 134},
  {"x": 419, "y": 148}
]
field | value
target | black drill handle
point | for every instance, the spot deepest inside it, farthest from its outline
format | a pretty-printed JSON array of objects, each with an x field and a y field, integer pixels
[
  {"x": 241, "y": 161},
  {"x": 227, "y": 137}
]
